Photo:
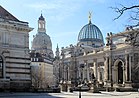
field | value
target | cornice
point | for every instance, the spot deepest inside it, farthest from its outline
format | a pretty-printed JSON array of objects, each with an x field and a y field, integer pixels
[{"x": 15, "y": 26}]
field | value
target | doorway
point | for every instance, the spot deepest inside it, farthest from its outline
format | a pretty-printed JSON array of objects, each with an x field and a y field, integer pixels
[{"x": 120, "y": 73}]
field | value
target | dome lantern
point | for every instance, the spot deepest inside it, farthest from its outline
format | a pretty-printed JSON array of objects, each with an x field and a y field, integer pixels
[{"x": 41, "y": 24}]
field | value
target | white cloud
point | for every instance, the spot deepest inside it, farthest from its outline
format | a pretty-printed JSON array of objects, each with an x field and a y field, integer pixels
[{"x": 59, "y": 9}]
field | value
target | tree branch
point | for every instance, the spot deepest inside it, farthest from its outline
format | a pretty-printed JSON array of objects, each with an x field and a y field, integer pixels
[{"x": 123, "y": 9}]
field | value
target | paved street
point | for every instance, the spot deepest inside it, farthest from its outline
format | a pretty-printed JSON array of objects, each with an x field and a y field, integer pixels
[
  {"x": 26, "y": 95},
  {"x": 71, "y": 95}
]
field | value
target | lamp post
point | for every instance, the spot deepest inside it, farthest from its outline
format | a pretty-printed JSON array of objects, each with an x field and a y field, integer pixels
[{"x": 80, "y": 95}]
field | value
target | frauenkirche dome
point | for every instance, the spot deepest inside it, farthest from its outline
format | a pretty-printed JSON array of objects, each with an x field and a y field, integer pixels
[{"x": 41, "y": 42}]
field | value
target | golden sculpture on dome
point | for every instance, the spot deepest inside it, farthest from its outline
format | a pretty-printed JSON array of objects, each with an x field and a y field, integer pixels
[{"x": 90, "y": 16}]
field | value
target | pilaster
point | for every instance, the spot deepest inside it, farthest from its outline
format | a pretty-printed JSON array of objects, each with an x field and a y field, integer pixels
[
  {"x": 106, "y": 69},
  {"x": 95, "y": 69}
]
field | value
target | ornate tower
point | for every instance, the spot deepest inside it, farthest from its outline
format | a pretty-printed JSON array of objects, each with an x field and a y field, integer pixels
[
  {"x": 57, "y": 52},
  {"x": 41, "y": 24},
  {"x": 41, "y": 42}
]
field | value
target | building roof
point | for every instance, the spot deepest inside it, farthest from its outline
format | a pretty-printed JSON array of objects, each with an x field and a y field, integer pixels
[
  {"x": 41, "y": 18},
  {"x": 6, "y": 15},
  {"x": 90, "y": 32}
]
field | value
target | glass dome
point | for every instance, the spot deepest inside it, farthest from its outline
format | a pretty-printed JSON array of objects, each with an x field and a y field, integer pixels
[{"x": 90, "y": 32}]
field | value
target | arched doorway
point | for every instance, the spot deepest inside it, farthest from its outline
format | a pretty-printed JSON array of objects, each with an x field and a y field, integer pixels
[
  {"x": 1, "y": 67},
  {"x": 120, "y": 72}
]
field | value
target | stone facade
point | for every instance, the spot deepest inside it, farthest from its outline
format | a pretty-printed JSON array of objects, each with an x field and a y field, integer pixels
[
  {"x": 14, "y": 52},
  {"x": 114, "y": 66}
]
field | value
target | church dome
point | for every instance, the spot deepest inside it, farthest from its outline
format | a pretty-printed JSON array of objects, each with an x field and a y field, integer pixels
[
  {"x": 90, "y": 32},
  {"x": 41, "y": 41},
  {"x": 90, "y": 35}
]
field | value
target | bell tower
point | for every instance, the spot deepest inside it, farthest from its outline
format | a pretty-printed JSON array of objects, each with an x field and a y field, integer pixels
[{"x": 41, "y": 25}]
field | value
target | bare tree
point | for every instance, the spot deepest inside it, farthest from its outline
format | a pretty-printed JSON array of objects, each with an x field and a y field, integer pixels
[
  {"x": 134, "y": 12},
  {"x": 35, "y": 77},
  {"x": 41, "y": 78},
  {"x": 38, "y": 79},
  {"x": 131, "y": 38}
]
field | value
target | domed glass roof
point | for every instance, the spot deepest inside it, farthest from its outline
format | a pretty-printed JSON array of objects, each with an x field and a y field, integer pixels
[{"x": 90, "y": 32}]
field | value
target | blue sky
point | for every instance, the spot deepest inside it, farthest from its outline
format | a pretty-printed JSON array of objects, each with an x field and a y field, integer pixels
[{"x": 65, "y": 18}]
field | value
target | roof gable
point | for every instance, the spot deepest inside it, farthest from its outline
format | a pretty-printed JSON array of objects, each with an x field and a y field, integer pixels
[{"x": 6, "y": 15}]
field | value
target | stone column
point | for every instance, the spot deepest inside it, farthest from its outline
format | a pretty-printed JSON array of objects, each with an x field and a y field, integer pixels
[
  {"x": 83, "y": 71},
  {"x": 127, "y": 78},
  {"x": 88, "y": 71},
  {"x": 95, "y": 69},
  {"x": 124, "y": 73},
  {"x": 126, "y": 67},
  {"x": 130, "y": 64},
  {"x": 98, "y": 73},
  {"x": 106, "y": 69},
  {"x": 110, "y": 68},
  {"x": 86, "y": 67}
]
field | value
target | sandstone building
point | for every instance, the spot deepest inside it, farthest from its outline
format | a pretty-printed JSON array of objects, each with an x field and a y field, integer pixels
[
  {"x": 114, "y": 66},
  {"x": 14, "y": 52}
]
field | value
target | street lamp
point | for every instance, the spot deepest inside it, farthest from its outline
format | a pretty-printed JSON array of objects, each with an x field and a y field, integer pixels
[{"x": 80, "y": 86}]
